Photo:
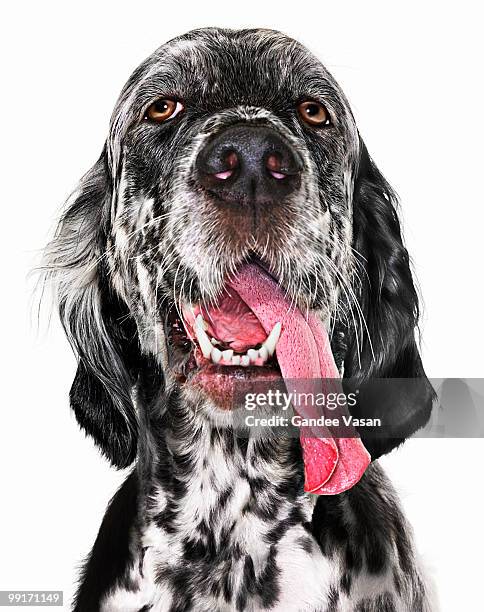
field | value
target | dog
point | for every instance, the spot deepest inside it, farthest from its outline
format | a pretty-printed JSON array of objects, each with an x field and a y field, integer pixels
[{"x": 233, "y": 167}]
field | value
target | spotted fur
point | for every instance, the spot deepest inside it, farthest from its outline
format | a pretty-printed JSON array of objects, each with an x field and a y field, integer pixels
[{"x": 208, "y": 521}]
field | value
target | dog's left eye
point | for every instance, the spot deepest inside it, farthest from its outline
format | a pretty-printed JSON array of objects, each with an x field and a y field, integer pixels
[
  {"x": 163, "y": 109},
  {"x": 314, "y": 113}
]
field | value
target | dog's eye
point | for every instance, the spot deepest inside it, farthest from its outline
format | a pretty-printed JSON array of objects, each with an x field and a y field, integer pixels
[
  {"x": 163, "y": 109},
  {"x": 313, "y": 113}
]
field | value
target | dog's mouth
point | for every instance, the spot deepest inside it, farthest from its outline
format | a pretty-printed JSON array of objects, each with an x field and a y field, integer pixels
[
  {"x": 255, "y": 332},
  {"x": 229, "y": 334},
  {"x": 252, "y": 332},
  {"x": 226, "y": 342}
]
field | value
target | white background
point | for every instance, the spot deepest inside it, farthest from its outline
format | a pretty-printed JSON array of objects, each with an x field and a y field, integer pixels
[{"x": 413, "y": 76}]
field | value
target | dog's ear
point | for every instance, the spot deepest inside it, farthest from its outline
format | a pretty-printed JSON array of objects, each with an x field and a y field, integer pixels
[
  {"x": 96, "y": 322},
  {"x": 386, "y": 347}
]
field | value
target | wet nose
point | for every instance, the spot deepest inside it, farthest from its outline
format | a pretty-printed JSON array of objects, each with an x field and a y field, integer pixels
[{"x": 249, "y": 164}]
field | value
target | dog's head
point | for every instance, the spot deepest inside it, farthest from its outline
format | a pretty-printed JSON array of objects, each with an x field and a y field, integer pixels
[{"x": 229, "y": 152}]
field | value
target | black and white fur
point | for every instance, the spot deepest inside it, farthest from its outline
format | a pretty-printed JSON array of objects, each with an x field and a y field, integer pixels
[{"x": 208, "y": 521}]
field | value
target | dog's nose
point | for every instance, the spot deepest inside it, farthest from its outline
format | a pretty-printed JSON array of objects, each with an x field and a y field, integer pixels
[{"x": 249, "y": 164}]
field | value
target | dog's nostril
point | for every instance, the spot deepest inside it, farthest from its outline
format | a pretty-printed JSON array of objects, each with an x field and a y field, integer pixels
[
  {"x": 274, "y": 166},
  {"x": 273, "y": 163},
  {"x": 230, "y": 162}
]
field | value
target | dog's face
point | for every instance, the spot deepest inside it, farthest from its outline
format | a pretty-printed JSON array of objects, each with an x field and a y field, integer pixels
[
  {"x": 228, "y": 151},
  {"x": 229, "y": 147}
]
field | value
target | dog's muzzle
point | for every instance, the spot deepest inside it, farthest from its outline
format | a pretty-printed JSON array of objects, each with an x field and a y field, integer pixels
[{"x": 249, "y": 164}]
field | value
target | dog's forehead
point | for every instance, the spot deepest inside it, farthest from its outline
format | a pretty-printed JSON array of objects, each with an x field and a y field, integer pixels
[
  {"x": 230, "y": 67},
  {"x": 243, "y": 59}
]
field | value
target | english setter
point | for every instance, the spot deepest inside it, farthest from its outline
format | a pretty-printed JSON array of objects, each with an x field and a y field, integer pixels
[{"x": 235, "y": 228}]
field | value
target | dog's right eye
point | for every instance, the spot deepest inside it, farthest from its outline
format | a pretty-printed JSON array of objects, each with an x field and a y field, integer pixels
[{"x": 163, "y": 109}]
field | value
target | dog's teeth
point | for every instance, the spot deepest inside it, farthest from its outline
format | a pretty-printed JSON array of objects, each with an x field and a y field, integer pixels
[
  {"x": 252, "y": 354},
  {"x": 203, "y": 339},
  {"x": 271, "y": 341},
  {"x": 199, "y": 320},
  {"x": 210, "y": 351},
  {"x": 216, "y": 355}
]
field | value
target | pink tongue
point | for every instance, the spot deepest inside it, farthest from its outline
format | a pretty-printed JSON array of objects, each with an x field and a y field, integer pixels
[{"x": 304, "y": 353}]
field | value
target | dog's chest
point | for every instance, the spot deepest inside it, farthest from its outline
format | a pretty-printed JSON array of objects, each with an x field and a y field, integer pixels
[{"x": 227, "y": 550}]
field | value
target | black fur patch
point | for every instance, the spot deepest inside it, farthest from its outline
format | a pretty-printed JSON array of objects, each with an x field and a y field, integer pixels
[{"x": 110, "y": 556}]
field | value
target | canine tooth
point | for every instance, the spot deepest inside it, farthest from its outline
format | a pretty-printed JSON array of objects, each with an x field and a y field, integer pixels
[
  {"x": 245, "y": 360},
  {"x": 199, "y": 320},
  {"x": 271, "y": 340},
  {"x": 227, "y": 355},
  {"x": 236, "y": 360},
  {"x": 216, "y": 355},
  {"x": 253, "y": 354},
  {"x": 263, "y": 353},
  {"x": 203, "y": 340}
]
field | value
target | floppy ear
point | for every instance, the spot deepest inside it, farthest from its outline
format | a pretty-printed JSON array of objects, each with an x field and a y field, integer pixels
[
  {"x": 96, "y": 322},
  {"x": 388, "y": 299}
]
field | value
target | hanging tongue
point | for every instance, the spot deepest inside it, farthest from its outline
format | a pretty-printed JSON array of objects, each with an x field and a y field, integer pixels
[{"x": 307, "y": 366}]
